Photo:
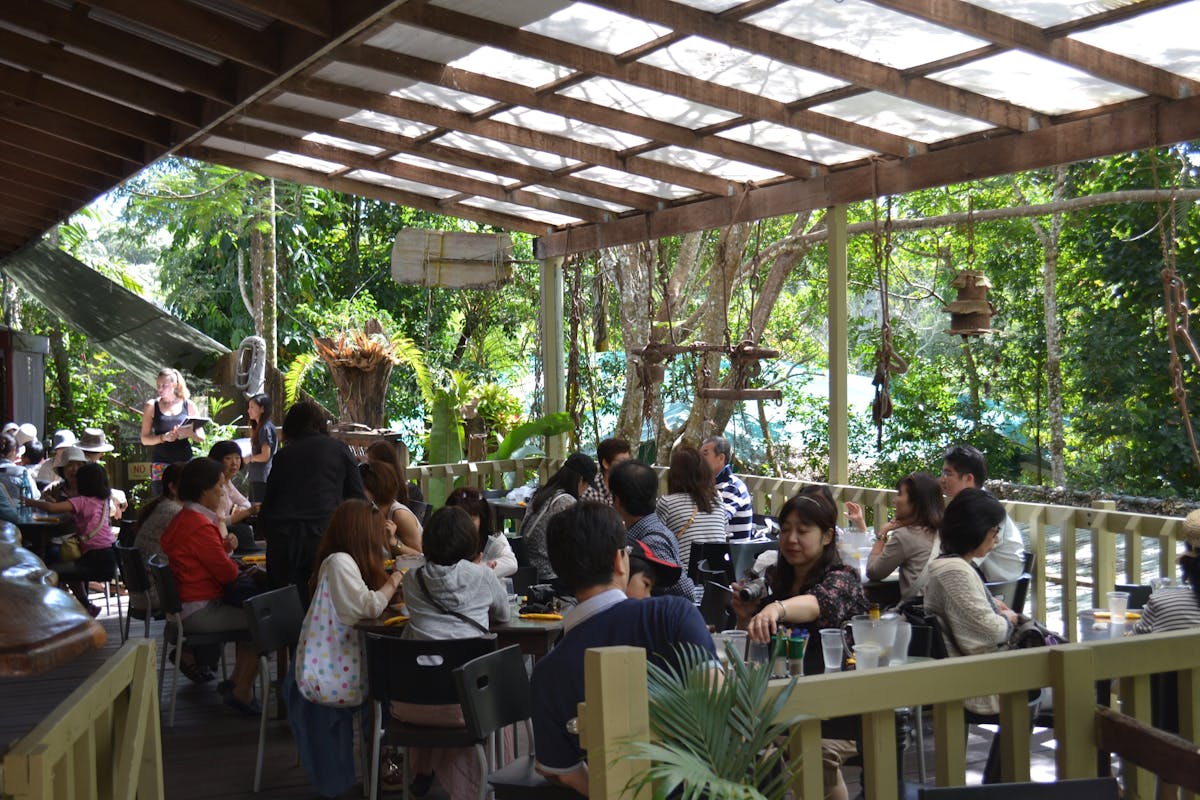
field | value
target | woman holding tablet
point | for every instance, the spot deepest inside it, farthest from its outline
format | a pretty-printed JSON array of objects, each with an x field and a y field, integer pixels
[{"x": 165, "y": 425}]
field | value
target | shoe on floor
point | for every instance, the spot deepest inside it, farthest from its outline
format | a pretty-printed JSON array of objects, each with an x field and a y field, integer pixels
[
  {"x": 253, "y": 708},
  {"x": 93, "y": 609}
]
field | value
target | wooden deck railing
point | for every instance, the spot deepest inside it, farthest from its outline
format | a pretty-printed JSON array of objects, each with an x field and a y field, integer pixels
[
  {"x": 1072, "y": 670},
  {"x": 102, "y": 741}
]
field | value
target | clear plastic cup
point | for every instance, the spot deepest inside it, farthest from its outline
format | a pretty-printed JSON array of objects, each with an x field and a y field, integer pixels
[
  {"x": 900, "y": 646},
  {"x": 864, "y": 553},
  {"x": 759, "y": 652},
  {"x": 1159, "y": 583},
  {"x": 831, "y": 648},
  {"x": 866, "y": 656},
  {"x": 1118, "y": 604},
  {"x": 735, "y": 638}
]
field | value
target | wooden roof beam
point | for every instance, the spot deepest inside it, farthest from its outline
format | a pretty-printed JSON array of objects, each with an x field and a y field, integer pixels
[
  {"x": 1091, "y": 137},
  {"x": 58, "y": 127},
  {"x": 51, "y": 172},
  {"x": 23, "y": 213},
  {"x": 524, "y": 173},
  {"x": 89, "y": 164},
  {"x": 827, "y": 61},
  {"x": 597, "y": 62},
  {"x": 1013, "y": 33},
  {"x": 12, "y": 240},
  {"x": 353, "y": 160},
  {"x": 85, "y": 106},
  {"x": 516, "y": 94},
  {"x": 203, "y": 29},
  {"x": 76, "y": 29},
  {"x": 313, "y": 16},
  {"x": 19, "y": 183},
  {"x": 84, "y": 73},
  {"x": 362, "y": 189},
  {"x": 503, "y": 132}
]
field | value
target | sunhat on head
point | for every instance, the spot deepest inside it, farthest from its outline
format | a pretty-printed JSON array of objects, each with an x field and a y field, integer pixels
[
  {"x": 11, "y": 427},
  {"x": 26, "y": 434},
  {"x": 63, "y": 438},
  {"x": 93, "y": 441},
  {"x": 66, "y": 456},
  {"x": 1191, "y": 530}
]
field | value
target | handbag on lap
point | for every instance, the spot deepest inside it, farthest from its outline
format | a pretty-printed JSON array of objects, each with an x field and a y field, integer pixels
[{"x": 329, "y": 655}]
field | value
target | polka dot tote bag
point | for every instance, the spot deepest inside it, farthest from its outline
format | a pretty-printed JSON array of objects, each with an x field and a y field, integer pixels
[{"x": 329, "y": 658}]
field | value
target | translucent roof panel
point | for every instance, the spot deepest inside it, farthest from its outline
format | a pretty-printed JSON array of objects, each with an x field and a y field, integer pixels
[
  {"x": 444, "y": 98},
  {"x": 571, "y": 128},
  {"x": 636, "y": 183},
  {"x": 576, "y": 197},
  {"x": 647, "y": 103},
  {"x": 1044, "y": 14},
  {"x": 1035, "y": 82},
  {"x": 512, "y": 209},
  {"x": 387, "y": 123},
  {"x": 266, "y": 153},
  {"x": 403, "y": 185},
  {"x": 712, "y": 6},
  {"x": 510, "y": 152},
  {"x": 345, "y": 144},
  {"x": 1165, "y": 38},
  {"x": 313, "y": 106},
  {"x": 271, "y": 126},
  {"x": 596, "y": 28},
  {"x": 422, "y": 43},
  {"x": 453, "y": 169},
  {"x": 901, "y": 117},
  {"x": 797, "y": 143},
  {"x": 740, "y": 69},
  {"x": 362, "y": 78},
  {"x": 710, "y": 164},
  {"x": 512, "y": 14},
  {"x": 866, "y": 30},
  {"x": 529, "y": 72}
]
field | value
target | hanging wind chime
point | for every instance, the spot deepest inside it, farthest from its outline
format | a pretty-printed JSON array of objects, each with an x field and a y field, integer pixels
[{"x": 971, "y": 314}]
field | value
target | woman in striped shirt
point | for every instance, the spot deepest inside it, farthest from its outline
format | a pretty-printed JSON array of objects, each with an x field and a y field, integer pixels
[{"x": 1174, "y": 608}]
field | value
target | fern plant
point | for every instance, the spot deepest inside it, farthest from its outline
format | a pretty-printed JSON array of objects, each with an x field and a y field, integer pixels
[{"x": 715, "y": 738}]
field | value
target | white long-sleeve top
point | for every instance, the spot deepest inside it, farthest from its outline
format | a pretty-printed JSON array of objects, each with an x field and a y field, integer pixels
[
  {"x": 499, "y": 550},
  {"x": 352, "y": 598}
]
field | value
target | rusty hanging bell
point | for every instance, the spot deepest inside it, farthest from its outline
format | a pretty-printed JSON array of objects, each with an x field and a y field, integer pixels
[{"x": 971, "y": 314}]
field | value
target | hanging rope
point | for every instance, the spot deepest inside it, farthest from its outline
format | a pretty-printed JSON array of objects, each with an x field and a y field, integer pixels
[{"x": 887, "y": 360}]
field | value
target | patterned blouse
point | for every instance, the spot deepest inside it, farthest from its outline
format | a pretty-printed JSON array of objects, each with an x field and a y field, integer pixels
[{"x": 840, "y": 596}]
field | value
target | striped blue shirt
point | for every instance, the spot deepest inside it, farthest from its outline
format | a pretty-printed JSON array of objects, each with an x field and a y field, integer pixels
[{"x": 735, "y": 497}]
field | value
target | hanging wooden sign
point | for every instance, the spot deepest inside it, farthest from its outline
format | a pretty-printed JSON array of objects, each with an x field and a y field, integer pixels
[{"x": 451, "y": 259}]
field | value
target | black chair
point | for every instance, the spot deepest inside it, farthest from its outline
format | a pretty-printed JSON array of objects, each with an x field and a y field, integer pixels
[
  {"x": 716, "y": 554},
  {"x": 419, "y": 672},
  {"x": 523, "y": 578},
  {"x": 1012, "y": 592},
  {"x": 714, "y": 605},
  {"x": 885, "y": 593},
  {"x": 275, "y": 619},
  {"x": 1139, "y": 594},
  {"x": 104, "y": 572},
  {"x": 174, "y": 639},
  {"x": 494, "y": 692},
  {"x": 517, "y": 543},
  {"x": 421, "y": 510},
  {"x": 1078, "y": 789},
  {"x": 743, "y": 553},
  {"x": 137, "y": 582}
]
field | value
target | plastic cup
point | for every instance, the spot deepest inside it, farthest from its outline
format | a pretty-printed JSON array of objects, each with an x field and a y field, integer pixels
[
  {"x": 1118, "y": 604},
  {"x": 900, "y": 646},
  {"x": 735, "y": 638},
  {"x": 831, "y": 648},
  {"x": 866, "y": 656},
  {"x": 759, "y": 652},
  {"x": 864, "y": 553},
  {"x": 1159, "y": 583}
]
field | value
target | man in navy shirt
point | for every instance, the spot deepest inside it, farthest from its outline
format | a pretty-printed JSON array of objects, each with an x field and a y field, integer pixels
[{"x": 586, "y": 545}]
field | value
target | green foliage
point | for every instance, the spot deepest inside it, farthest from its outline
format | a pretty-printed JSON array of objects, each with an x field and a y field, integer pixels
[
  {"x": 549, "y": 425},
  {"x": 445, "y": 444},
  {"x": 715, "y": 738}
]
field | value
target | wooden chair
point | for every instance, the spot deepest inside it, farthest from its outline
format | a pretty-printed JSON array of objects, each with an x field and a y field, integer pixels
[
  {"x": 275, "y": 619},
  {"x": 494, "y": 692},
  {"x": 419, "y": 672}
]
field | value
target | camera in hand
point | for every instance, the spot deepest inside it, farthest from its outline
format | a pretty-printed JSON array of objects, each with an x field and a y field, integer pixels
[{"x": 754, "y": 589}]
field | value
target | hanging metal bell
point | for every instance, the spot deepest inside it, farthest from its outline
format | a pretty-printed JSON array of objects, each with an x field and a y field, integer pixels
[{"x": 971, "y": 314}]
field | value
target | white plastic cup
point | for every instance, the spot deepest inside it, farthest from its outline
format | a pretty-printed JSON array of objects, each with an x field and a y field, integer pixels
[
  {"x": 735, "y": 638},
  {"x": 900, "y": 647},
  {"x": 866, "y": 656},
  {"x": 831, "y": 648},
  {"x": 1118, "y": 604}
]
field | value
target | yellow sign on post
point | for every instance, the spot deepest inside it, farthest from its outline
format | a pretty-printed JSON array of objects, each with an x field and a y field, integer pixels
[{"x": 138, "y": 470}]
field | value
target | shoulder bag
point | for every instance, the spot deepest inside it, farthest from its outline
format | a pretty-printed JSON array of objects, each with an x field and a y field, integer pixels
[{"x": 329, "y": 655}]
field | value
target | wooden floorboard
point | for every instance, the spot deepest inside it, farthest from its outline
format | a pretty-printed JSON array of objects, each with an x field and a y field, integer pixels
[{"x": 210, "y": 751}]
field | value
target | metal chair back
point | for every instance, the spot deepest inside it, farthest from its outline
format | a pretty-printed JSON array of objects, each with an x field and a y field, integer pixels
[{"x": 275, "y": 618}]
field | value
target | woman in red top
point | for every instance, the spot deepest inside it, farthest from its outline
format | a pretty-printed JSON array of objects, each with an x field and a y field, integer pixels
[{"x": 195, "y": 544}]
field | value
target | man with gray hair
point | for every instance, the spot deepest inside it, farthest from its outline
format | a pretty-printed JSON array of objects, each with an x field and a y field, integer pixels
[{"x": 735, "y": 497}]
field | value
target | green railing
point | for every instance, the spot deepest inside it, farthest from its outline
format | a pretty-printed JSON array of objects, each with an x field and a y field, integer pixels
[
  {"x": 102, "y": 741},
  {"x": 1072, "y": 671}
]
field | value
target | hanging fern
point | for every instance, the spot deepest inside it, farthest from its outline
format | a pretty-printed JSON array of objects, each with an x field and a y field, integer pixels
[{"x": 294, "y": 376}]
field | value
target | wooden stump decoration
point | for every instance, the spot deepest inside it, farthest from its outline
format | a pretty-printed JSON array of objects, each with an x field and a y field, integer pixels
[
  {"x": 361, "y": 363},
  {"x": 971, "y": 314}
]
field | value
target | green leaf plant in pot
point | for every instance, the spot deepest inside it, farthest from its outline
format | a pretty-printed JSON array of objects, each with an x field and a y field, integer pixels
[{"x": 715, "y": 736}]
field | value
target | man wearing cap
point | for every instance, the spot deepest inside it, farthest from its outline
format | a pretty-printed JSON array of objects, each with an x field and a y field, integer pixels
[
  {"x": 635, "y": 488},
  {"x": 735, "y": 497},
  {"x": 586, "y": 544},
  {"x": 609, "y": 453}
]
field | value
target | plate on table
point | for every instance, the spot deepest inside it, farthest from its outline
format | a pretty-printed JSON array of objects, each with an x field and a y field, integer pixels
[{"x": 1104, "y": 614}]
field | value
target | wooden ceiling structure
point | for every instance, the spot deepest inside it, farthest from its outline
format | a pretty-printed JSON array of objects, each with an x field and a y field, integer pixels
[{"x": 587, "y": 124}]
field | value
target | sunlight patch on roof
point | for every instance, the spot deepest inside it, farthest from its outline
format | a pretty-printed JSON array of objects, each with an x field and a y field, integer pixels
[
  {"x": 740, "y": 69},
  {"x": 801, "y": 144},
  {"x": 1165, "y": 38},
  {"x": 863, "y": 29},
  {"x": 453, "y": 169},
  {"x": 569, "y": 127},
  {"x": 362, "y": 78},
  {"x": 388, "y": 123},
  {"x": 710, "y": 164},
  {"x": 422, "y": 43},
  {"x": 531, "y": 72},
  {"x": 392, "y": 182},
  {"x": 514, "y": 210},
  {"x": 596, "y": 28},
  {"x": 1035, "y": 82},
  {"x": 647, "y": 103},
  {"x": 442, "y": 97},
  {"x": 509, "y": 152},
  {"x": 635, "y": 183},
  {"x": 902, "y": 117},
  {"x": 576, "y": 197}
]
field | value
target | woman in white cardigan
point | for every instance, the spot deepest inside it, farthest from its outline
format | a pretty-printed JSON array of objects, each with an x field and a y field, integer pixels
[{"x": 972, "y": 621}]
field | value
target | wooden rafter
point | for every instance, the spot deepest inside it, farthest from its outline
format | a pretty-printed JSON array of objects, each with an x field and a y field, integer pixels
[
  {"x": 58, "y": 126},
  {"x": 92, "y": 166},
  {"x": 313, "y": 16},
  {"x": 52, "y": 173},
  {"x": 596, "y": 62},
  {"x": 18, "y": 182}
]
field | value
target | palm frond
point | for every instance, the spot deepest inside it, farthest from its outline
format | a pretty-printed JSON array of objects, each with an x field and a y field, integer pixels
[
  {"x": 408, "y": 352},
  {"x": 296, "y": 371}
]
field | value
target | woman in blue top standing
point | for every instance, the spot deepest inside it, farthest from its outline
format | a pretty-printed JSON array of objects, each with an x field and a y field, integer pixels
[
  {"x": 264, "y": 441},
  {"x": 164, "y": 425}
]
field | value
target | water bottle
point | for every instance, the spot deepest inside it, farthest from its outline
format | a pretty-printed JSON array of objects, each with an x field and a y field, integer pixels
[{"x": 26, "y": 512}]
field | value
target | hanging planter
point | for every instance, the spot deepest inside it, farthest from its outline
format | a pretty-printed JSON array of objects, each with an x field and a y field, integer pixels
[{"x": 971, "y": 314}]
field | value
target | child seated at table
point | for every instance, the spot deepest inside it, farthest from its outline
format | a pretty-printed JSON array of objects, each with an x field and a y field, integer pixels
[{"x": 453, "y": 596}]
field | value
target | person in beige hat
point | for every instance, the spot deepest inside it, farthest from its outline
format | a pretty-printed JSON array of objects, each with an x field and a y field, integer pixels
[
  {"x": 48, "y": 472},
  {"x": 70, "y": 460},
  {"x": 93, "y": 444}
]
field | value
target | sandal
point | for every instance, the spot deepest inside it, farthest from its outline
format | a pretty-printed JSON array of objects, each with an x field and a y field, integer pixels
[{"x": 193, "y": 671}]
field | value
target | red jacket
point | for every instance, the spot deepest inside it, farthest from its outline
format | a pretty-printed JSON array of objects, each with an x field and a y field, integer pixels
[{"x": 198, "y": 559}]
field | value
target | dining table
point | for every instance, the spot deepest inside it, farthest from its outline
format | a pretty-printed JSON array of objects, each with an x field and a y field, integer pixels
[
  {"x": 39, "y": 528},
  {"x": 535, "y": 637},
  {"x": 504, "y": 510}
]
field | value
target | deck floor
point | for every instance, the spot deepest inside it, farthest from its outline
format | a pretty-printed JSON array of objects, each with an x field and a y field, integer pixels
[{"x": 210, "y": 751}]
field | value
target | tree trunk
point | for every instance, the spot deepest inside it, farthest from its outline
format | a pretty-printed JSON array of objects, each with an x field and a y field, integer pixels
[
  {"x": 268, "y": 304},
  {"x": 633, "y": 274},
  {"x": 62, "y": 373},
  {"x": 361, "y": 392}
]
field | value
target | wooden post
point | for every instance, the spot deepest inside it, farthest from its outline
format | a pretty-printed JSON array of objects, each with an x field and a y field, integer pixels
[
  {"x": 553, "y": 373},
  {"x": 806, "y": 742},
  {"x": 950, "y": 755},
  {"x": 1070, "y": 603},
  {"x": 1014, "y": 737},
  {"x": 1135, "y": 702},
  {"x": 607, "y": 724},
  {"x": 839, "y": 345},
  {"x": 1072, "y": 673},
  {"x": 1104, "y": 550},
  {"x": 1189, "y": 710},
  {"x": 879, "y": 754},
  {"x": 1037, "y": 541}
]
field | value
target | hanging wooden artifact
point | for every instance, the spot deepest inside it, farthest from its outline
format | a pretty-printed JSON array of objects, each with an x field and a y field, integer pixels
[
  {"x": 451, "y": 259},
  {"x": 971, "y": 314},
  {"x": 653, "y": 370}
]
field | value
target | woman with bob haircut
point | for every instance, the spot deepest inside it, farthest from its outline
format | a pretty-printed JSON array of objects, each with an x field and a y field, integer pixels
[
  {"x": 497, "y": 552},
  {"x": 906, "y": 542}
]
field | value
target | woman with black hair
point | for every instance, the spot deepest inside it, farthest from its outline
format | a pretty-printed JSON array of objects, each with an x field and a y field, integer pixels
[
  {"x": 264, "y": 442},
  {"x": 555, "y": 495},
  {"x": 497, "y": 552},
  {"x": 236, "y": 508},
  {"x": 906, "y": 542}
]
